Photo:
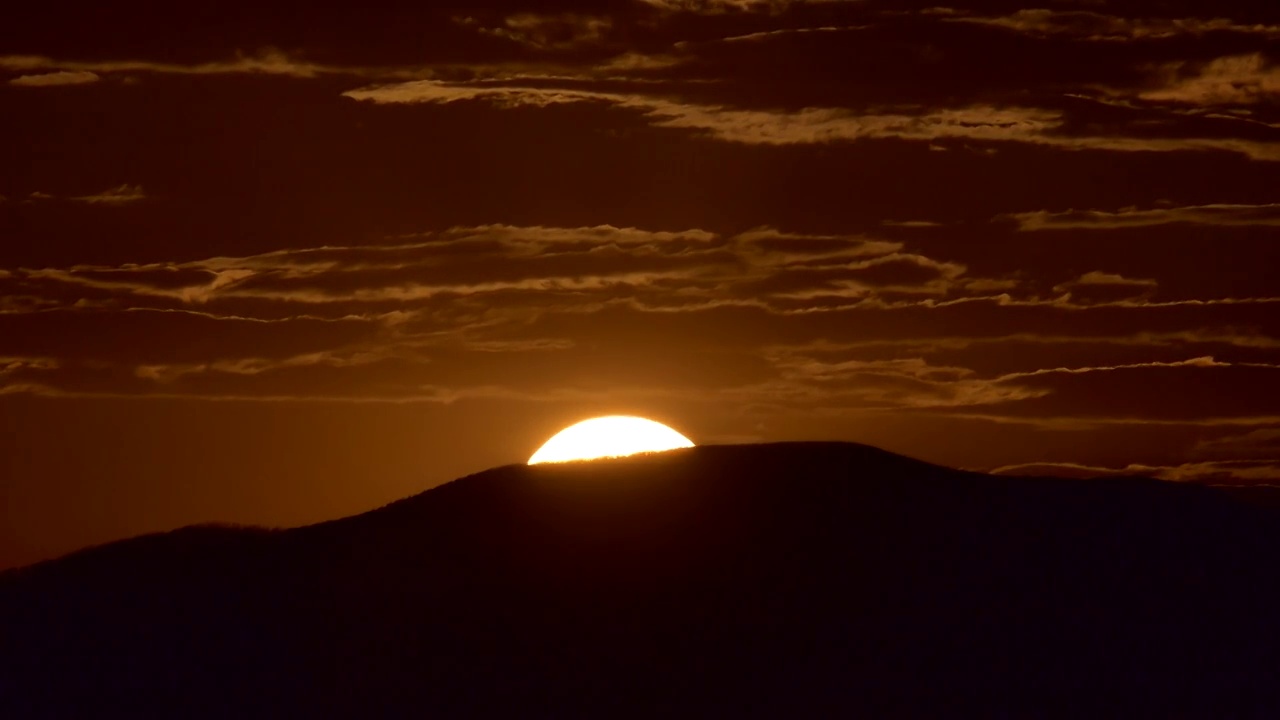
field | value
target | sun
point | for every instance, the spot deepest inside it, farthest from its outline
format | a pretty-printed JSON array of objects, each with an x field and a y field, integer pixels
[{"x": 611, "y": 436}]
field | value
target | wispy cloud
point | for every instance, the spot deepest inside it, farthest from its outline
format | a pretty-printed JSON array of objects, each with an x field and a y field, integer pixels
[
  {"x": 1200, "y": 362},
  {"x": 718, "y": 7},
  {"x": 986, "y": 123},
  {"x": 119, "y": 195},
  {"x": 670, "y": 271},
  {"x": 915, "y": 383},
  {"x": 1098, "y": 27},
  {"x": 496, "y": 259},
  {"x": 812, "y": 125},
  {"x": 1104, "y": 287},
  {"x": 1234, "y": 80},
  {"x": 1222, "y": 215},
  {"x": 268, "y": 62},
  {"x": 53, "y": 79},
  {"x": 1263, "y": 443},
  {"x": 11, "y": 365},
  {"x": 561, "y": 31},
  {"x": 1228, "y": 472}
]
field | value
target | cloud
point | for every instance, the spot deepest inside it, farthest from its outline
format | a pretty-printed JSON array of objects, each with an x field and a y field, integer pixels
[
  {"x": 1233, "y": 80},
  {"x": 1192, "y": 390},
  {"x": 1100, "y": 287},
  {"x": 1220, "y": 214},
  {"x": 252, "y": 365},
  {"x": 813, "y": 125},
  {"x": 1144, "y": 342},
  {"x": 399, "y": 367},
  {"x": 1097, "y": 27},
  {"x": 491, "y": 260},
  {"x": 61, "y": 77},
  {"x": 774, "y": 34},
  {"x": 738, "y": 321},
  {"x": 819, "y": 125},
  {"x": 70, "y": 336},
  {"x": 1007, "y": 356},
  {"x": 832, "y": 277},
  {"x": 706, "y": 358},
  {"x": 911, "y": 223},
  {"x": 425, "y": 394},
  {"x": 119, "y": 195},
  {"x": 552, "y": 308},
  {"x": 540, "y": 266},
  {"x": 692, "y": 87},
  {"x": 13, "y": 365},
  {"x": 918, "y": 384},
  {"x": 1260, "y": 444},
  {"x": 1242, "y": 472},
  {"x": 267, "y": 62},
  {"x": 1200, "y": 362},
  {"x": 719, "y": 7},
  {"x": 562, "y": 31},
  {"x": 880, "y": 384},
  {"x": 441, "y": 92}
]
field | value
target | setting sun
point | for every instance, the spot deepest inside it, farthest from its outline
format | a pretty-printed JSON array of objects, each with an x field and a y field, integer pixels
[{"x": 612, "y": 436}]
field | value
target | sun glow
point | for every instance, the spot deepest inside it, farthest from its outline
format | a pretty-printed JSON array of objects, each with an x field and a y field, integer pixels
[{"x": 612, "y": 436}]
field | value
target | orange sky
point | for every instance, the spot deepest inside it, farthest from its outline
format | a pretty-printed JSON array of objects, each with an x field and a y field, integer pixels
[{"x": 272, "y": 265}]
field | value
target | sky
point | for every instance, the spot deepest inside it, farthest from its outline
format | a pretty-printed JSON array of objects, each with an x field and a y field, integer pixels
[{"x": 270, "y": 263}]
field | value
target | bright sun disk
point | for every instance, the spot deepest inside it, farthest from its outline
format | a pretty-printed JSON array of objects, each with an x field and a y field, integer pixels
[{"x": 612, "y": 436}]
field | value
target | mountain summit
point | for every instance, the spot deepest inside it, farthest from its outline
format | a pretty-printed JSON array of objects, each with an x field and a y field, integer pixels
[{"x": 754, "y": 579}]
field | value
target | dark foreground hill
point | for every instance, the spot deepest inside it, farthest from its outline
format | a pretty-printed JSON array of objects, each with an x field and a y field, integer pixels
[{"x": 776, "y": 580}]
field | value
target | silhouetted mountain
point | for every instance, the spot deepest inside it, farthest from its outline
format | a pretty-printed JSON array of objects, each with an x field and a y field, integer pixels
[{"x": 760, "y": 580}]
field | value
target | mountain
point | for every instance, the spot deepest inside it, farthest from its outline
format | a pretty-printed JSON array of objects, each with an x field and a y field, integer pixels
[{"x": 776, "y": 580}]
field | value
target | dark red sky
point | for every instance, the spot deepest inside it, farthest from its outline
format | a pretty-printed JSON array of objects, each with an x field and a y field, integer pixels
[{"x": 265, "y": 263}]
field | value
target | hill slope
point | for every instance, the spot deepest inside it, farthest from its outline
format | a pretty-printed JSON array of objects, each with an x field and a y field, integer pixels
[{"x": 762, "y": 579}]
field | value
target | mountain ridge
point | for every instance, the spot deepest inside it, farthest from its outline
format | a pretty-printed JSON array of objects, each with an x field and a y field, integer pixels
[{"x": 815, "y": 574}]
